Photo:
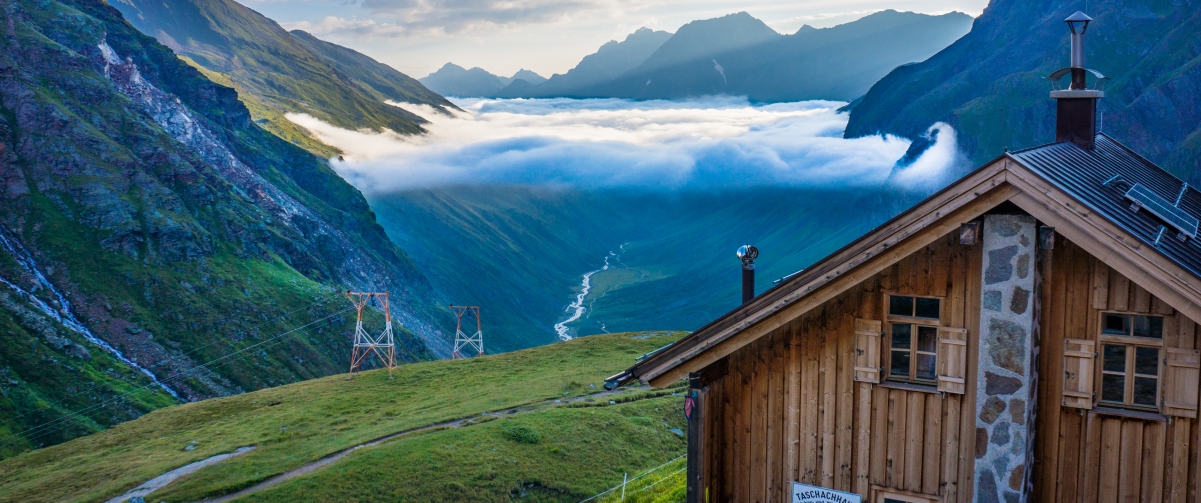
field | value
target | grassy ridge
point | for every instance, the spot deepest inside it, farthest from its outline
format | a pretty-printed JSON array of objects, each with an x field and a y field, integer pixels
[
  {"x": 561, "y": 454},
  {"x": 296, "y": 424},
  {"x": 286, "y": 72}
]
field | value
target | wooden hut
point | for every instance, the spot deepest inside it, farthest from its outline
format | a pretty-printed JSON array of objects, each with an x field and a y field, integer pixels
[{"x": 1029, "y": 333}]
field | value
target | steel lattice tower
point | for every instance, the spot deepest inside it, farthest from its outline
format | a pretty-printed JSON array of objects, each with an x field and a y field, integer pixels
[
  {"x": 364, "y": 344},
  {"x": 462, "y": 340}
]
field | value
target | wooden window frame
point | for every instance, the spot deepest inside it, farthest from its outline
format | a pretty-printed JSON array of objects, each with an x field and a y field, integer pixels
[
  {"x": 1131, "y": 343},
  {"x": 914, "y": 322},
  {"x": 899, "y": 495}
]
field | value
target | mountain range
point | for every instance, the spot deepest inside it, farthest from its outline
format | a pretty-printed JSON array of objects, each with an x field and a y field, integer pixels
[
  {"x": 150, "y": 225},
  {"x": 454, "y": 80},
  {"x": 991, "y": 85},
  {"x": 277, "y": 72},
  {"x": 740, "y": 55},
  {"x": 608, "y": 63}
]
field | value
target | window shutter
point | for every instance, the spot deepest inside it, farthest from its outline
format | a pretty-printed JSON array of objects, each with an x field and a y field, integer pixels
[
  {"x": 952, "y": 360},
  {"x": 1182, "y": 374},
  {"x": 1079, "y": 357},
  {"x": 867, "y": 350}
]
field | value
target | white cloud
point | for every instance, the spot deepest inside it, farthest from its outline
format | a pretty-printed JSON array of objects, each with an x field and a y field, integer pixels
[
  {"x": 703, "y": 144},
  {"x": 425, "y": 18},
  {"x": 333, "y": 26},
  {"x": 928, "y": 171}
]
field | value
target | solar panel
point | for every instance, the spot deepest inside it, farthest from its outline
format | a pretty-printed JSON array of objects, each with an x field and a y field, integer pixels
[{"x": 1160, "y": 207}]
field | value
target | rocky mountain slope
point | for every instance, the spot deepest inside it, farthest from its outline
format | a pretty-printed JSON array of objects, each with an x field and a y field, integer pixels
[
  {"x": 991, "y": 85},
  {"x": 149, "y": 225},
  {"x": 281, "y": 71}
]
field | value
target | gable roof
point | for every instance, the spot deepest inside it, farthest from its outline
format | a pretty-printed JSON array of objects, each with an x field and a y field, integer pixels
[
  {"x": 1083, "y": 174},
  {"x": 1060, "y": 184}
]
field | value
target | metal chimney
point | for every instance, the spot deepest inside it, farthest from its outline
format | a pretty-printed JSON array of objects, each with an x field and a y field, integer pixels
[
  {"x": 1078, "y": 23},
  {"x": 1076, "y": 106},
  {"x": 748, "y": 254}
]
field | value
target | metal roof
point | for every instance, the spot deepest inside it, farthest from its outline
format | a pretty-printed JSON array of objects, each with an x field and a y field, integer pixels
[{"x": 1083, "y": 174}]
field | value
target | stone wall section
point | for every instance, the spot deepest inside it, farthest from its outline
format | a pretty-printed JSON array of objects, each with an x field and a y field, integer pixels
[{"x": 1005, "y": 379}]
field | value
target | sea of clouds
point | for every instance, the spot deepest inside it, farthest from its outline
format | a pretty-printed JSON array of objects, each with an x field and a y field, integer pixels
[{"x": 704, "y": 144}]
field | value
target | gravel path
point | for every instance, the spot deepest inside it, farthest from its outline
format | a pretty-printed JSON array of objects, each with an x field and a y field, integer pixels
[
  {"x": 454, "y": 423},
  {"x": 166, "y": 478}
]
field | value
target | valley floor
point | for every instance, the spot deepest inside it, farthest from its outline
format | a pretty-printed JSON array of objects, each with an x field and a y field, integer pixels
[{"x": 531, "y": 424}]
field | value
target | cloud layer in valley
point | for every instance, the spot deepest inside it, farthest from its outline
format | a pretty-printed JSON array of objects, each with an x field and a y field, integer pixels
[{"x": 715, "y": 143}]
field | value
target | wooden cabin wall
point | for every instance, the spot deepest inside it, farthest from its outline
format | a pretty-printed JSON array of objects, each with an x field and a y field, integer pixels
[
  {"x": 1091, "y": 457},
  {"x": 788, "y": 409}
]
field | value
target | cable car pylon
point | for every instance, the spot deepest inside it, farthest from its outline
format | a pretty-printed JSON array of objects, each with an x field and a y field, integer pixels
[
  {"x": 462, "y": 340},
  {"x": 365, "y": 344}
]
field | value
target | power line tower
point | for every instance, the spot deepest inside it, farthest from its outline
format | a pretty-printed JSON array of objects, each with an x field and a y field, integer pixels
[
  {"x": 462, "y": 340},
  {"x": 364, "y": 344}
]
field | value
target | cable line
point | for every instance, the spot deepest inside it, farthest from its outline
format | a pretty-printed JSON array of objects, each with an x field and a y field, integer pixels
[
  {"x": 277, "y": 319},
  {"x": 43, "y": 428}
]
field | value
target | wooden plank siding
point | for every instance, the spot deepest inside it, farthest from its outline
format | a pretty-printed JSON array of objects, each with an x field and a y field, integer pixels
[
  {"x": 1099, "y": 456},
  {"x": 787, "y": 407}
]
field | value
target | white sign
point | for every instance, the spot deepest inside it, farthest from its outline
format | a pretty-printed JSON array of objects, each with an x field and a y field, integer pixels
[{"x": 802, "y": 493}]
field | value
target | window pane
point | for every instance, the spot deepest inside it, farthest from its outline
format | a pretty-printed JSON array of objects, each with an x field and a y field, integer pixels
[
  {"x": 925, "y": 367},
  {"x": 1115, "y": 358},
  {"x": 1116, "y": 324},
  {"x": 1146, "y": 361},
  {"x": 900, "y": 364},
  {"x": 1113, "y": 388},
  {"x": 1148, "y": 326},
  {"x": 900, "y": 306},
  {"x": 927, "y": 308},
  {"x": 901, "y": 335},
  {"x": 927, "y": 339},
  {"x": 1144, "y": 391}
]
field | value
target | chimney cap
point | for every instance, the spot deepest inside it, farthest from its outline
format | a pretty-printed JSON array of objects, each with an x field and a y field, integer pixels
[
  {"x": 1078, "y": 20},
  {"x": 747, "y": 253},
  {"x": 1078, "y": 16}
]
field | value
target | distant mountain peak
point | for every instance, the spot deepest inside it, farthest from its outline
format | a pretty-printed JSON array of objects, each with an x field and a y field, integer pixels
[
  {"x": 454, "y": 80},
  {"x": 528, "y": 76},
  {"x": 699, "y": 39}
]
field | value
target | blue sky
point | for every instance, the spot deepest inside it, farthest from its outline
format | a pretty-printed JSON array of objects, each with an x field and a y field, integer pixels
[{"x": 547, "y": 36}]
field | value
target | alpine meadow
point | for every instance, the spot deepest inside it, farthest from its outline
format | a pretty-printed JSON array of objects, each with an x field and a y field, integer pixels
[{"x": 918, "y": 251}]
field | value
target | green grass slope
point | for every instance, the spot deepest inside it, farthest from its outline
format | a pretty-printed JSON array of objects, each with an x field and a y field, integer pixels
[
  {"x": 557, "y": 452},
  {"x": 278, "y": 68},
  {"x": 382, "y": 81}
]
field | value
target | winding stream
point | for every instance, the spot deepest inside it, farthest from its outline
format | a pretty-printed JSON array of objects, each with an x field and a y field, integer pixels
[
  {"x": 577, "y": 308},
  {"x": 64, "y": 314}
]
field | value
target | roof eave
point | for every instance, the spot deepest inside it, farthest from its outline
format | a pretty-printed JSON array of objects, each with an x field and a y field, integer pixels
[{"x": 644, "y": 370}]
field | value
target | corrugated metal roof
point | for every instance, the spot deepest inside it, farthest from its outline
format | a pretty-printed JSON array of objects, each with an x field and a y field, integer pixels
[{"x": 1082, "y": 174}]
